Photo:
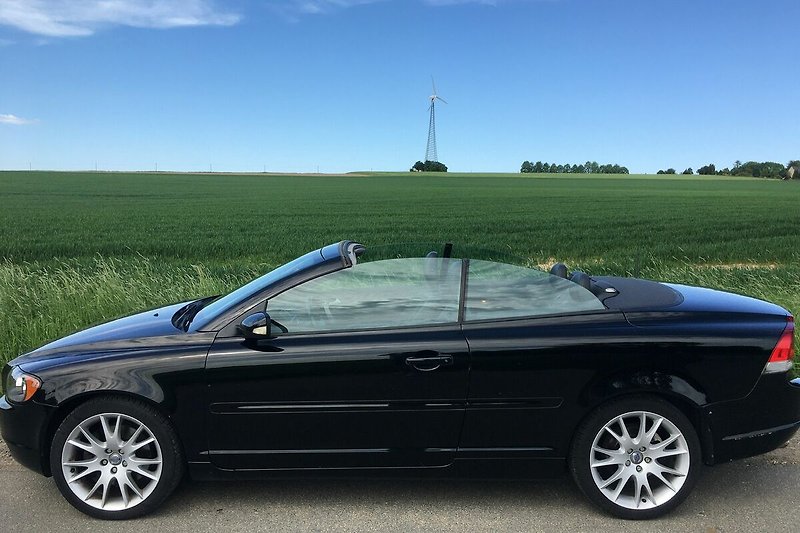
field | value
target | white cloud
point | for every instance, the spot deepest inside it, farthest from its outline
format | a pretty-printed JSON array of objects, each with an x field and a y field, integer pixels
[
  {"x": 64, "y": 18},
  {"x": 70, "y": 18},
  {"x": 15, "y": 120}
]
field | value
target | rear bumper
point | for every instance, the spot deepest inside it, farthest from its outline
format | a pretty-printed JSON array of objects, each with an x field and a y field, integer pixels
[
  {"x": 761, "y": 422},
  {"x": 23, "y": 427}
]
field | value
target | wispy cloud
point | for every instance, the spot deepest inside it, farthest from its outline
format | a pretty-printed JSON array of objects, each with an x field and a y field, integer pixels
[
  {"x": 15, "y": 120},
  {"x": 325, "y": 6},
  {"x": 65, "y": 18},
  {"x": 75, "y": 18},
  {"x": 455, "y": 2}
]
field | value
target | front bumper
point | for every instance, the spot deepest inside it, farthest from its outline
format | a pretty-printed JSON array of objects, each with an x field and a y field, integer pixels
[
  {"x": 24, "y": 427},
  {"x": 761, "y": 422}
]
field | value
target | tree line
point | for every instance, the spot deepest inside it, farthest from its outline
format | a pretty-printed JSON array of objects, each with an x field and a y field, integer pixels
[
  {"x": 753, "y": 169},
  {"x": 590, "y": 167}
]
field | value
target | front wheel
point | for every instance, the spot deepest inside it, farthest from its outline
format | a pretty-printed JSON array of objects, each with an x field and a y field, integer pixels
[
  {"x": 115, "y": 458},
  {"x": 636, "y": 458}
]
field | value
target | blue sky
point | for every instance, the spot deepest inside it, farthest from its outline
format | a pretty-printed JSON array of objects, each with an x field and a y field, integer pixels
[{"x": 342, "y": 85}]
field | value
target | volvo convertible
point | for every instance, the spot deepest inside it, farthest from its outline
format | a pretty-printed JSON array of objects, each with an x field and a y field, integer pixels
[{"x": 430, "y": 365}]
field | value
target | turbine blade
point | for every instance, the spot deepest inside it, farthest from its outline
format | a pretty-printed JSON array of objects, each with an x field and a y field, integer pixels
[
  {"x": 442, "y": 99},
  {"x": 434, "y": 85}
]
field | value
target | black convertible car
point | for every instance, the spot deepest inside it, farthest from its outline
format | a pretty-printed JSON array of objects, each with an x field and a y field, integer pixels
[{"x": 417, "y": 365}]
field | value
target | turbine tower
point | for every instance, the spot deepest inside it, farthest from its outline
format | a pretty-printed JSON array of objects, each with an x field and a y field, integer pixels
[{"x": 430, "y": 153}]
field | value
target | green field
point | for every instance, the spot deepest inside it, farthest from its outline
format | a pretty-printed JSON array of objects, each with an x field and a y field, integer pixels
[{"x": 78, "y": 248}]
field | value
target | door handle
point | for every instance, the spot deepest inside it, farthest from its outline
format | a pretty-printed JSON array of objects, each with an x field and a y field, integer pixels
[{"x": 429, "y": 363}]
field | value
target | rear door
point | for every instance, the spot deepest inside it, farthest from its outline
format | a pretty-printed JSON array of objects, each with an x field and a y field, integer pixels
[{"x": 536, "y": 341}]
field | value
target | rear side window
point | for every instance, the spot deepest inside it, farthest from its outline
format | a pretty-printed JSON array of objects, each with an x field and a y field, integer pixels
[{"x": 496, "y": 290}]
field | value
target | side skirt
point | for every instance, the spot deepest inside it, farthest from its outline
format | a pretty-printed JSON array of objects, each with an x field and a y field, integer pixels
[{"x": 497, "y": 468}]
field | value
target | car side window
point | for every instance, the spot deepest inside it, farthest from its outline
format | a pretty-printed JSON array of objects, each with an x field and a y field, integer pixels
[
  {"x": 380, "y": 294},
  {"x": 497, "y": 290}
]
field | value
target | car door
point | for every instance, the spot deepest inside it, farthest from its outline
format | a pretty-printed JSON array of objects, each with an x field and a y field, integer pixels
[
  {"x": 536, "y": 341},
  {"x": 364, "y": 367}
]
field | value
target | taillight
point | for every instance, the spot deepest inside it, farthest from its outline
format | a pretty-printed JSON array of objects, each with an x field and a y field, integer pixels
[{"x": 782, "y": 357}]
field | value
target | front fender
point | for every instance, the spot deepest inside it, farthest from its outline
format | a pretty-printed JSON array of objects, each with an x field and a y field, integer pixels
[{"x": 170, "y": 374}]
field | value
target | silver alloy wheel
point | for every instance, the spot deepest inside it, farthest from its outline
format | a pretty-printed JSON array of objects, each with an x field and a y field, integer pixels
[
  {"x": 639, "y": 460},
  {"x": 111, "y": 461}
]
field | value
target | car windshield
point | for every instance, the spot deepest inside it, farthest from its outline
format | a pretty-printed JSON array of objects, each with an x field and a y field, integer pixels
[{"x": 231, "y": 300}]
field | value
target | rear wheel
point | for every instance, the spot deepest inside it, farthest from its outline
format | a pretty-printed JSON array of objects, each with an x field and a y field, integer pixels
[
  {"x": 115, "y": 458},
  {"x": 637, "y": 458}
]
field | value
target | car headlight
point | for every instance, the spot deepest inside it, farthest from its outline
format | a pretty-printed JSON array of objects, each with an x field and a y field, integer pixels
[{"x": 19, "y": 386}]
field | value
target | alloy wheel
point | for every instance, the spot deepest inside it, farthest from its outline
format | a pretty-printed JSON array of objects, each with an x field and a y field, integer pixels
[
  {"x": 111, "y": 461},
  {"x": 639, "y": 460}
]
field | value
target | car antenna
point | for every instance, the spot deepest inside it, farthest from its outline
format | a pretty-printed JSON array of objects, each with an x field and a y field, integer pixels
[{"x": 448, "y": 249}]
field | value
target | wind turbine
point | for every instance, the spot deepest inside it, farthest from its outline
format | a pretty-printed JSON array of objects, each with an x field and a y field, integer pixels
[{"x": 430, "y": 153}]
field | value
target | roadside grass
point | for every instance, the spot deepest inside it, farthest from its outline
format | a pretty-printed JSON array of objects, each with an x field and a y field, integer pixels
[
  {"x": 81, "y": 248},
  {"x": 44, "y": 301}
]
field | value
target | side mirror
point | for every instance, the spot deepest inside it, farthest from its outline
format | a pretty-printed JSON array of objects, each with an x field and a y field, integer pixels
[{"x": 256, "y": 326}]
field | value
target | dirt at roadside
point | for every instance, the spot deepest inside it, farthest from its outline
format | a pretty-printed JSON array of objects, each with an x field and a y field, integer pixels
[
  {"x": 787, "y": 455},
  {"x": 5, "y": 456}
]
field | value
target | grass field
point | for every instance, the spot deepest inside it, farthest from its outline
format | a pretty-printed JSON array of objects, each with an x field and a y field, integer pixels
[{"x": 78, "y": 248}]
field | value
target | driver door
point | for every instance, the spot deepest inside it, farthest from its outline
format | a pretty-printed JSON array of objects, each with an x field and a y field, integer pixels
[{"x": 364, "y": 367}]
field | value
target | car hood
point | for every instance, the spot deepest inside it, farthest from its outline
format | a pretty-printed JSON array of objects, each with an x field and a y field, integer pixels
[{"x": 123, "y": 332}]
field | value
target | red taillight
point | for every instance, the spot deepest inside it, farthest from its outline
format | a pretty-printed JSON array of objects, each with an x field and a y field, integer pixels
[{"x": 782, "y": 355}]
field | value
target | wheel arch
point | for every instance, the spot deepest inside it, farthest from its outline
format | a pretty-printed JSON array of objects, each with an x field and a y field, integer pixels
[{"x": 686, "y": 404}]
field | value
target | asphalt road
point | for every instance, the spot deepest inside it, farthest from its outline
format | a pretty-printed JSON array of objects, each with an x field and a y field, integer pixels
[{"x": 761, "y": 494}]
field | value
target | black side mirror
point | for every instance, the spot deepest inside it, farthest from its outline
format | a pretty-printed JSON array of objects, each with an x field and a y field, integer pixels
[{"x": 256, "y": 326}]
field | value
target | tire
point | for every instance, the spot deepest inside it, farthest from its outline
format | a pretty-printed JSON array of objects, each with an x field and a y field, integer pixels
[
  {"x": 665, "y": 458},
  {"x": 142, "y": 470}
]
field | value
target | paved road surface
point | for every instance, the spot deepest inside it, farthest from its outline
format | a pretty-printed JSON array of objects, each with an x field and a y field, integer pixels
[{"x": 757, "y": 495}]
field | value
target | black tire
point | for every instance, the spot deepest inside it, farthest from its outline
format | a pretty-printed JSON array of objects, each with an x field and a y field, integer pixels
[
  {"x": 662, "y": 498},
  {"x": 171, "y": 457}
]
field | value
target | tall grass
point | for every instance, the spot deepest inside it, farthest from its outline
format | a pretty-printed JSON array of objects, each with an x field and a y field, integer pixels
[{"x": 40, "y": 302}]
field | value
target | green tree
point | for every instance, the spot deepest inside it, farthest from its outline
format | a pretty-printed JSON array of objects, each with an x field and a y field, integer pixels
[
  {"x": 688, "y": 171},
  {"x": 708, "y": 170},
  {"x": 768, "y": 169},
  {"x": 419, "y": 166},
  {"x": 435, "y": 166},
  {"x": 527, "y": 167}
]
